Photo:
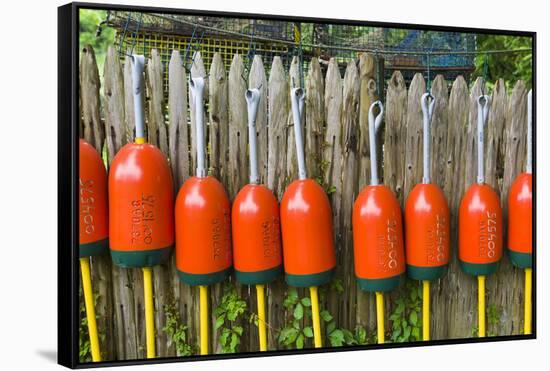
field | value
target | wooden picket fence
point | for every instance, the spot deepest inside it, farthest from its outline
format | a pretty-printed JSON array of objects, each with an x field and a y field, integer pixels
[{"x": 337, "y": 155}]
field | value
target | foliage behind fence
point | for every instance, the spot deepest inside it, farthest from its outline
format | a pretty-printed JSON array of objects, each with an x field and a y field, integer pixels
[{"x": 337, "y": 155}]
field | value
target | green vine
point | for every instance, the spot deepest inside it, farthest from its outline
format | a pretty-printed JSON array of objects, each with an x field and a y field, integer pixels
[
  {"x": 294, "y": 334},
  {"x": 406, "y": 317},
  {"x": 231, "y": 309},
  {"x": 493, "y": 319},
  {"x": 177, "y": 332},
  {"x": 84, "y": 347}
]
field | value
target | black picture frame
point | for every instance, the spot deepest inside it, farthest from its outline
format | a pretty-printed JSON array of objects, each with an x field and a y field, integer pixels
[{"x": 68, "y": 117}]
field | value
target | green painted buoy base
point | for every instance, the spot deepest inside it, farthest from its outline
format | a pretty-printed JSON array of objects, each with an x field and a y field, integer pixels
[
  {"x": 142, "y": 258},
  {"x": 96, "y": 248},
  {"x": 258, "y": 278},
  {"x": 309, "y": 280},
  {"x": 426, "y": 273},
  {"x": 193, "y": 279},
  {"x": 520, "y": 259},
  {"x": 478, "y": 269},
  {"x": 380, "y": 284}
]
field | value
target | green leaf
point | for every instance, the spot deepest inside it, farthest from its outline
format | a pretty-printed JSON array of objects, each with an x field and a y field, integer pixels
[
  {"x": 219, "y": 322},
  {"x": 300, "y": 342},
  {"x": 238, "y": 330},
  {"x": 326, "y": 316},
  {"x": 288, "y": 335},
  {"x": 416, "y": 333},
  {"x": 235, "y": 341},
  {"x": 336, "y": 338},
  {"x": 299, "y": 311},
  {"x": 306, "y": 302},
  {"x": 413, "y": 318},
  {"x": 400, "y": 306},
  {"x": 407, "y": 332},
  {"x": 331, "y": 327},
  {"x": 361, "y": 335},
  {"x": 308, "y": 332}
]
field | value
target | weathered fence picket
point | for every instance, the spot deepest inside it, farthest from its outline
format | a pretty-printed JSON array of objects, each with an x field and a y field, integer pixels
[{"x": 337, "y": 155}]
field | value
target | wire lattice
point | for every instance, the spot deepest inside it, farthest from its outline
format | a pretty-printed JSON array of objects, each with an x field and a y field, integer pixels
[{"x": 409, "y": 51}]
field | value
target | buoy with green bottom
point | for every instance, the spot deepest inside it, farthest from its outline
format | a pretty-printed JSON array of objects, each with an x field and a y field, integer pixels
[
  {"x": 520, "y": 221},
  {"x": 306, "y": 221},
  {"x": 379, "y": 256},
  {"x": 427, "y": 226},
  {"x": 141, "y": 206},
  {"x": 94, "y": 229},
  {"x": 255, "y": 221},
  {"x": 203, "y": 224},
  {"x": 480, "y": 223}
]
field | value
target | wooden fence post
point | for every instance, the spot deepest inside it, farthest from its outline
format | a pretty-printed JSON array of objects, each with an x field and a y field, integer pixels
[
  {"x": 332, "y": 164},
  {"x": 367, "y": 95},
  {"x": 438, "y": 136},
  {"x": 277, "y": 151},
  {"x": 314, "y": 119},
  {"x": 350, "y": 150}
]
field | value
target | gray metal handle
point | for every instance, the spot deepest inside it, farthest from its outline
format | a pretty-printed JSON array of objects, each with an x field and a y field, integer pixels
[
  {"x": 253, "y": 97},
  {"x": 482, "y": 112},
  {"x": 530, "y": 132},
  {"x": 374, "y": 125},
  {"x": 197, "y": 90},
  {"x": 297, "y": 98},
  {"x": 427, "y": 112},
  {"x": 138, "y": 63}
]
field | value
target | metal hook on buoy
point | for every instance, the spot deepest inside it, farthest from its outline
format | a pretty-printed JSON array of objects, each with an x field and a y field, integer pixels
[
  {"x": 482, "y": 111},
  {"x": 253, "y": 97},
  {"x": 297, "y": 98},
  {"x": 374, "y": 125},
  {"x": 427, "y": 103},
  {"x": 138, "y": 63},
  {"x": 529, "y": 167},
  {"x": 197, "y": 89}
]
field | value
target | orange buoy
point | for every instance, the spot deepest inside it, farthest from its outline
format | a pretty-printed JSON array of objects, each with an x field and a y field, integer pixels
[
  {"x": 379, "y": 256},
  {"x": 306, "y": 221},
  {"x": 141, "y": 200},
  {"x": 94, "y": 230},
  {"x": 141, "y": 206},
  {"x": 306, "y": 225},
  {"x": 427, "y": 217},
  {"x": 203, "y": 217},
  {"x": 480, "y": 223},
  {"x": 94, "y": 214},
  {"x": 520, "y": 206},
  {"x": 256, "y": 225},
  {"x": 480, "y": 216},
  {"x": 520, "y": 221},
  {"x": 203, "y": 224}
]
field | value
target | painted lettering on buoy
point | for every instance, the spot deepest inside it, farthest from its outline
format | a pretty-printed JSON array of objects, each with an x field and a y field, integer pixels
[{"x": 87, "y": 204}]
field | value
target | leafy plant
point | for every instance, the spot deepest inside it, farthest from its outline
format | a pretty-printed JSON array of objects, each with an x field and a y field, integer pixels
[
  {"x": 177, "y": 332},
  {"x": 406, "y": 317},
  {"x": 293, "y": 334},
  {"x": 84, "y": 346},
  {"x": 493, "y": 319},
  {"x": 228, "y": 313}
]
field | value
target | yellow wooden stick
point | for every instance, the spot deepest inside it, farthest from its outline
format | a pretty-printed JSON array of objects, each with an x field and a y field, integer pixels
[
  {"x": 380, "y": 316},
  {"x": 261, "y": 317},
  {"x": 425, "y": 310},
  {"x": 90, "y": 310},
  {"x": 481, "y": 305},
  {"x": 317, "y": 339},
  {"x": 149, "y": 311},
  {"x": 528, "y": 304},
  {"x": 204, "y": 319}
]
